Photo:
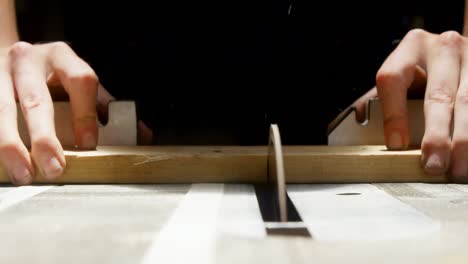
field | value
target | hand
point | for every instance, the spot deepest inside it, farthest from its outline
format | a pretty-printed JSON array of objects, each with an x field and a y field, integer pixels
[
  {"x": 25, "y": 70},
  {"x": 442, "y": 58}
]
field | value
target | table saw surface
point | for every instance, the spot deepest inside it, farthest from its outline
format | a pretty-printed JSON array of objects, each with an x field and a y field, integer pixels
[{"x": 222, "y": 223}]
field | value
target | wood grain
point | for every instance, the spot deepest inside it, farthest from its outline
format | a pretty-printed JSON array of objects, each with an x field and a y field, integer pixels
[
  {"x": 354, "y": 164},
  {"x": 239, "y": 164}
]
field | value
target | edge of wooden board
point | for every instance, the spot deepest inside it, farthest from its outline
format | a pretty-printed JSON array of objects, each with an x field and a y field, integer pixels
[{"x": 238, "y": 164}]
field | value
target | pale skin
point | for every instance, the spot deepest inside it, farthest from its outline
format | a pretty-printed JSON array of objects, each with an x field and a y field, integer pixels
[
  {"x": 434, "y": 63},
  {"x": 30, "y": 75}
]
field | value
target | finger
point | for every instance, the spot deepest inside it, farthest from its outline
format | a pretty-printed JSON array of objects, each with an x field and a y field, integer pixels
[
  {"x": 30, "y": 83},
  {"x": 103, "y": 100},
  {"x": 393, "y": 81},
  {"x": 81, "y": 83},
  {"x": 14, "y": 156},
  {"x": 443, "y": 77},
  {"x": 459, "y": 148},
  {"x": 361, "y": 104}
]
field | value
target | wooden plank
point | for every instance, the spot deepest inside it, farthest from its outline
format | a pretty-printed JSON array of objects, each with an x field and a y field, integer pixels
[
  {"x": 157, "y": 164},
  {"x": 354, "y": 164},
  {"x": 239, "y": 164}
]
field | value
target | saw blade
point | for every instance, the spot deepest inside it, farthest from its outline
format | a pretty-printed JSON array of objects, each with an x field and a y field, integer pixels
[{"x": 276, "y": 175}]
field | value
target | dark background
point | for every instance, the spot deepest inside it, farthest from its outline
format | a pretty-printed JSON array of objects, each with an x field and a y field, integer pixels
[{"x": 219, "y": 72}]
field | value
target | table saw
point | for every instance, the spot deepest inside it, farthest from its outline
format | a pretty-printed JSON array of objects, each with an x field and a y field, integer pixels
[{"x": 345, "y": 202}]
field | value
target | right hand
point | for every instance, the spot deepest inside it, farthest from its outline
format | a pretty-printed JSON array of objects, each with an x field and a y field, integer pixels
[{"x": 25, "y": 70}]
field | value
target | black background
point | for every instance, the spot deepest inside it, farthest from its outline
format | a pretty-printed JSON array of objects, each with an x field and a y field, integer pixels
[{"x": 219, "y": 72}]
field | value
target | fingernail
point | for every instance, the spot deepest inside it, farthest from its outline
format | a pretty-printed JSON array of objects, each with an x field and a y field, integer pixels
[
  {"x": 459, "y": 169},
  {"x": 435, "y": 164},
  {"x": 22, "y": 176},
  {"x": 395, "y": 141},
  {"x": 88, "y": 141},
  {"x": 53, "y": 168}
]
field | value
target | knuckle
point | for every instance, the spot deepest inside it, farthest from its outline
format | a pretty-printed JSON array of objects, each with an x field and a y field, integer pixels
[
  {"x": 86, "y": 119},
  {"x": 460, "y": 143},
  {"x": 44, "y": 143},
  {"x": 19, "y": 49},
  {"x": 58, "y": 48},
  {"x": 385, "y": 77},
  {"x": 416, "y": 34},
  {"x": 32, "y": 101},
  {"x": 85, "y": 80},
  {"x": 60, "y": 45},
  {"x": 450, "y": 38},
  {"x": 433, "y": 140},
  {"x": 10, "y": 149},
  {"x": 388, "y": 78},
  {"x": 441, "y": 95}
]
